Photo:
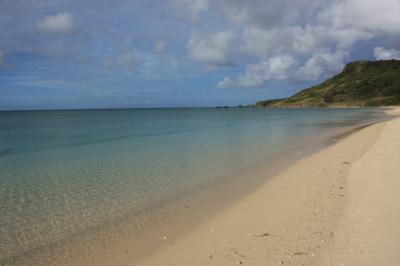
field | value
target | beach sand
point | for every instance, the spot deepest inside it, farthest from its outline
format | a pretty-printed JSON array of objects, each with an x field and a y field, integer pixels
[{"x": 339, "y": 206}]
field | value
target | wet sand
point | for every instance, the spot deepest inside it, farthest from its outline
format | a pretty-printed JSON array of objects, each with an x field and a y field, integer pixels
[{"x": 339, "y": 206}]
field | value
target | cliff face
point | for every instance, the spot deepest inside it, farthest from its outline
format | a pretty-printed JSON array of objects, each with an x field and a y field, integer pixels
[{"x": 361, "y": 83}]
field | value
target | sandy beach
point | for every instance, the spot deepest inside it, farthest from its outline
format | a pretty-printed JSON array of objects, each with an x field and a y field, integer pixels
[
  {"x": 339, "y": 206},
  {"x": 199, "y": 132}
]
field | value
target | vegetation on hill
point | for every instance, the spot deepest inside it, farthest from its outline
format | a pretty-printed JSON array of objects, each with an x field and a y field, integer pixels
[{"x": 362, "y": 83}]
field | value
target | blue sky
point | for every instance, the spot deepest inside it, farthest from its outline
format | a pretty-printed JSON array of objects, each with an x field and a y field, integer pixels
[{"x": 103, "y": 53}]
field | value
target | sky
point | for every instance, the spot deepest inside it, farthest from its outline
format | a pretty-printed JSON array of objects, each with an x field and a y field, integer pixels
[{"x": 57, "y": 54}]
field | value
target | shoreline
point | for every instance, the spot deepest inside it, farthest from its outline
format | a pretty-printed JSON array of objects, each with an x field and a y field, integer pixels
[
  {"x": 292, "y": 219},
  {"x": 136, "y": 245},
  {"x": 179, "y": 224},
  {"x": 120, "y": 245}
]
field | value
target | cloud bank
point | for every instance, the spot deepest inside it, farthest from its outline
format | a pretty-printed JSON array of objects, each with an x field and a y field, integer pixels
[{"x": 297, "y": 40}]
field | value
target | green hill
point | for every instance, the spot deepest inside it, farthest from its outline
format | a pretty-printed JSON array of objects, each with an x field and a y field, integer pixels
[{"x": 362, "y": 83}]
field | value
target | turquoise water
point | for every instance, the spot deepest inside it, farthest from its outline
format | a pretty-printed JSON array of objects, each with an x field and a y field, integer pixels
[{"x": 66, "y": 172}]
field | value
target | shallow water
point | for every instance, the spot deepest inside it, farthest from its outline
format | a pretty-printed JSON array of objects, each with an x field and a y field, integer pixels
[{"x": 63, "y": 173}]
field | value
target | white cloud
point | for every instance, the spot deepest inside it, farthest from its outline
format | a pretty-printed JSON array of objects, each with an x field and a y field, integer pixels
[
  {"x": 318, "y": 35},
  {"x": 226, "y": 83},
  {"x": 190, "y": 9},
  {"x": 384, "y": 54},
  {"x": 278, "y": 67},
  {"x": 376, "y": 16},
  {"x": 321, "y": 63},
  {"x": 61, "y": 23},
  {"x": 286, "y": 67},
  {"x": 212, "y": 50}
]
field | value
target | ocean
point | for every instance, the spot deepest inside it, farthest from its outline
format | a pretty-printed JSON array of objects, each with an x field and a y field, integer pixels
[{"x": 70, "y": 174}]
